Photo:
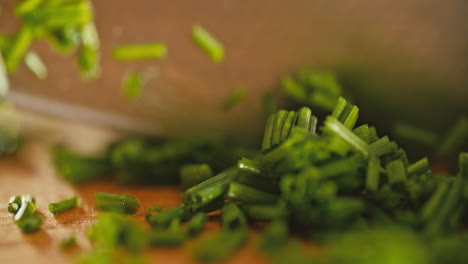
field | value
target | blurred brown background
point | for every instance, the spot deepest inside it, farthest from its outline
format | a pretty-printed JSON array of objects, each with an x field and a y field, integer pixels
[{"x": 404, "y": 59}]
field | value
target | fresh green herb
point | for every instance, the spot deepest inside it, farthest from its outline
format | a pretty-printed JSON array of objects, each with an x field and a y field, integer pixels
[
  {"x": 234, "y": 99},
  {"x": 118, "y": 203},
  {"x": 30, "y": 224},
  {"x": 196, "y": 224},
  {"x": 35, "y": 64},
  {"x": 88, "y": 54},
  {"x": 64, "y": 205},
  {"x": 14, "y": 204},
  {"x": 18, "y": 48},
  {"x": 212, "y": 47},
  {"x": 68, "y": 242},
  {"x": 274, "y": 236},
  {"x": 172, "y": 237},
  {"x": 163, "y": 219},
  {"x": 23, "y": 209},
  {"x": 132, "y": 85},
  {"x": 135, "y": 52},
  {"x": 456, "y": 137},
  {"x": 191, "y": 175},
  {"x": 152, "y": 211},
  {"x": 414, "y": 134}
]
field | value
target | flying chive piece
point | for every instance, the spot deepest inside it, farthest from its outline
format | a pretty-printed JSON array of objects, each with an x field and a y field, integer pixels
[
  {"x": 232, "y": 217},
  {"x": 221, "y": 245},
  {"x": 247, "y": 194},
  {"x": 414, "y": 134},
  {"x": 269, "y": 103},
  {"x": 278, "y": 126},
  {"x": 382, "y": 147},
  {"x": 396, "y": 172},
  {"x": 152, "y": 211},
  {"x": 419, "y": 167},
  {"x": 36, "y": 65},
  {"x": 163, "y": 219},
  {"x": 193, "y": 174},
  {"x": 266, "y": 144},
  {"x": 18, "y": 48},
  {"x": 373, "y": 174},
  {"x": 135, "y": 52},
  {"x": 64, "y": 205},
  {"x": 455, "y": 138},
  {"x": 118, "y": 203},
  {"x": 78, "y": 169},
  {"x": 196, "y": 224},
  {"x": 88, "y": 56},
  {"x": 210, "y": 190},
  {"x": 132, "y": 85},
  {"x": 4, "y": 82},
  {"x": 335, "y": 127},
  {"x": 234, "y": 99},
  {"x": 68, "y": 242},
  {"x": 212, "y": 47},
  {"x": 303, "y": 118}
]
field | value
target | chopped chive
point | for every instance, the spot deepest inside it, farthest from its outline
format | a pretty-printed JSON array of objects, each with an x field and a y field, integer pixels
[
  {"x": 419, "y": 167},
  {"x": 288, "y": 123},
  {"x": 27, "y": 207},
  {"x": 257, "y": 181},
  {"x": 363, "y": 133},
  {"x": 455, "y": 138},
  {"x": 221, "y": 245},
  {"x": 313, "y": 124},
  {"x": 373, "y": 134},
  {"x": 340, "y": 106},
  {"x": 266, "y": 145},
  {"x": 232, "y": 217},
  {"x": 262, "y": 212},
  {"x": 88, "y": 62},
  {"x": 234, "y": 99},
  {"x": 303, "y": 118},
  {"x": 172, "y": 237},
  {"x": 26, "y": 6},
  {"x": 430, "y": 208},
  {"x": 134, "y": 52},
  {"x": 118, "y": 203},
  {"x": 64, "y": 205},
  {"x": 382, "y": 147},
  {"x": 35, "y": 64},
  {"x": 73, "y": 14},
  {"x": 14, "y": 204},
  {"x": 414, "y": 134},
  {"x": 18, "y": 48},
  {"x": 247, "y": 165},
  {"x": 163, "y": 219},
  {"x": 373, "y": 174},
  {"x": 269, "y": 103},
  {"x": 280, "y": 118},
  {"x": 4, "y": 83},
  {"x": 212, "y": 47},
  {"x": 332, "y": 125},
  {"x": 293, "y": 89},
  {"x": 65, "y": 39},
  {"x": 193, "y": 174},
  {"x": 208, "y": 191},
  {"x": 68, "y": 242},
  {"x": 352, "y": 117},
  {"x": 244, "y": 193},
  {"x": 396, "y": 172},
  {"x": 132, "y": 85},
  {"x": 196, "y": 224},
  {"x": 30, "y": 224},
  {"x": 152, "y": 211}
]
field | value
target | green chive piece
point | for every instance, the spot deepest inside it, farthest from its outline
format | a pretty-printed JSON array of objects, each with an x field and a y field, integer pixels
[
  {"x": 363, "y": 133},
  {"x": 266, "y": 145},
  {"x": 36, "y": 65},
  {"x": 79, "y": 169},
  {"x": 335, "y": 127},
  {"x": 30, "y": 224},
  {"x": 303, "y": 118},
  {"x": 163, "y": 219},
  {"x": 132, "y": 85},
  {"x": 4, "y": 82},
  {"x": 382, "y": 147},
  {"x": 274, "y": 236},
  {"x": 269, "y": 103},
  {"x": 262, "y": 212},
  {"x": 313, "y": 124},
  {"x": 232, "y": 217},
  {"x": 64, "y": 205},
  {"x": 152, "y": 211},
  {"x": 419, "y": 167},
  {"x": 414, "y": 134},
  {"x": 27, "y": 207},
  {"x": 373, "y": 174},
  {"x": 455, "y": 138},
  {"x": 135, "y": 52},
  {"x": 64, "y": 40},
  {"x": 208, "y": 191},
  {"x": 430, "y": 208},
  {"x": 280, "y": 118},
  {"x": 352, "y": 117},
  {"x": 234, "y": 99},
  {"x": 212, "y": 47},
  {"x": 88, "y": 62},
  {"x": 193, "y": 174},
  {"x": 18, "y": 48},
  {"x": 340, "y": 106},
  {"x": 196, "y": 224},
  {"x": 26, "y": 6},
  {"x": 221, "y": 245},
  {"x": 373, "y": 134},
  {"x": 396, "y": 172},
  {"x": 247, "y": 194},
  {"x": 14, "y": 204},
  {"x": 118, "y": 203},
  {"x": 257, "y": 181},
  {"x": 247, "y": 165},
  {"x": 68, "y": 242},
  {"x": 288, "y": 124},
  {"x": 73, "y": 14},
  {"x": 172, "y": 237}
]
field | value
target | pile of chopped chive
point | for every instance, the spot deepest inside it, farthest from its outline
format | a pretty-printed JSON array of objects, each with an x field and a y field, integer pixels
[{"x": 337, "y": 184}]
